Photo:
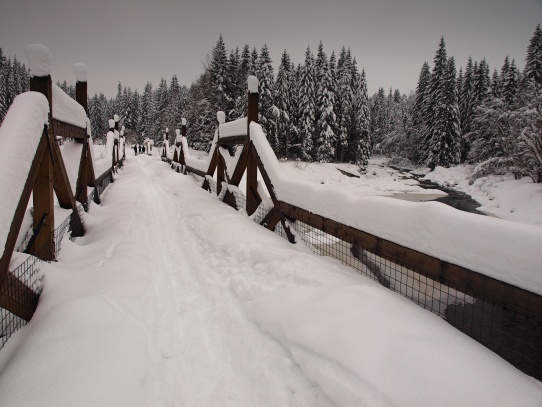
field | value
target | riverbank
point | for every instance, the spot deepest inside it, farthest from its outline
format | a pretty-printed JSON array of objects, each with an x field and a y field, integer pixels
[{"x": 500, "y": 196}]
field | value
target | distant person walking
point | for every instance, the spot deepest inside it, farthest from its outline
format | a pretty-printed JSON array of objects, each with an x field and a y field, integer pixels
[
  {"x": 135, "y": 149},
  {"x": 143, "y": 149}
]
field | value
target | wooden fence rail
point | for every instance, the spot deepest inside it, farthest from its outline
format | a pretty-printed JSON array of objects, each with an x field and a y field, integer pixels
[
  {"x": 47, "y": 177},
  {"x": 505, "y": 318}
]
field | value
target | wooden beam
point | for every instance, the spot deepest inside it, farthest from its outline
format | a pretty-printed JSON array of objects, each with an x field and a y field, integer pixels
[
  {"x": 64, "y": 192},
  {"x": 233, "y": 140},
  {"x": 68, "y": 130},
  {"x": 220, "y": 169},
  {"x": 240, "y": 167},
  {"x": 17, "y": 298},
  {"x": 253, "y": 199},
  {"x": 196, "y": 171},
  {"x": 212, "y": 166},
  {"x": 271, "y": 219},
  {"x": 43, "y": 207},
  {"x": 457, "y": 277},
  {"x": 18, "y": 217}
]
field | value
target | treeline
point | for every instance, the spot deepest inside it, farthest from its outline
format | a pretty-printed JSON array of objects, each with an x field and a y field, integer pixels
[
  {"x": 320, "y": 111},
  {"x": 493, "y": 121},
  {"x": 315, "y": 111},
  {"x": 14, "y": 79}
]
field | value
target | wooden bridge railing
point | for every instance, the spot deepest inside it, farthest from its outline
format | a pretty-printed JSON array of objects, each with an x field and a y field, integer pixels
[
  {"x": 505, "y": 318},
  {"x": 44, "y": 170}
]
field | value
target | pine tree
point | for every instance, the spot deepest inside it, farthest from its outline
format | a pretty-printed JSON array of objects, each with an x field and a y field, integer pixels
[
  {"x": 307, "y": 109},
  {"x": 282, "y": 97},
  {"x": 418, "y": 110},
  {"x": 161, "y": 103},
  {"x": 218, "y": 70},
  {"x": 481, "y": 82},
  {"x": 443, "y": 130},
  {"x": 344, "y": 103},
  {"x": 3, "y": 86},
  {"x": 359, "y": 141},
  {"x": 268, "y": 116},
  {"x": 235, "y": 84},
  {"x": 533, "y": 61},
  {"x": 174, "y": 112},
  {"x": 510, "y": 84},
  {"x": 325, "y": 139}
]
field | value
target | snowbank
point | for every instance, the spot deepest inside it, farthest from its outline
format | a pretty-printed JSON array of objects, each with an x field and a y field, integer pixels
[
  {"x": 20, "y": 135},
  {"x": 504, "y": 250},
  {"x": 368, "y": 347}
]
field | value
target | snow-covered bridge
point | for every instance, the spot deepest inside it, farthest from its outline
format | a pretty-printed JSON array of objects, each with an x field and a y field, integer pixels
[{"x": 171, "y": 295}]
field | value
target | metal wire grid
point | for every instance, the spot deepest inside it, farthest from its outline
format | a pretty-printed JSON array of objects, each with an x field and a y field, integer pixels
[
  {"x": 515, "y": 336},
  {"x": 28, "y": 272}
]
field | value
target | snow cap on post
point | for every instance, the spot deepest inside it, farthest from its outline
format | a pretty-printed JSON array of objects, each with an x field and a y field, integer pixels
[
  {"x": 40, "y": 59},
  {"x": 111, "y": 123},
  {"x": 221, "y": 117},
  {"x": 116, "y": 117},
  {"x": 80, "y": 72},
  {"x": 183, "y": 121},
  {"x": 252, "y": 84},
  {"x": 177, "y": 132}
]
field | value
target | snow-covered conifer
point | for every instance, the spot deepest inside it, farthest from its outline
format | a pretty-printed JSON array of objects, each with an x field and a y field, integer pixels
[{"x": 307, "y": 107}]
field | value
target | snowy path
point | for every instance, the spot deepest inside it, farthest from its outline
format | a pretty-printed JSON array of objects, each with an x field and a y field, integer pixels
[
  {"x": 205, "y": 351},
  {"x": 174, "y": 299}
]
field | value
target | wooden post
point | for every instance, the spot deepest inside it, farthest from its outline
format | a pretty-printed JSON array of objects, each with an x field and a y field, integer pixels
[
  {"x": 43, "y": 212},
  {"x": 181, "y": 152},
  {"x": 253, "y": 199},
  {"x": 116, "y": 117},
  {"x": 81, "y": 194},
  {"x": 220, "y": 162}
]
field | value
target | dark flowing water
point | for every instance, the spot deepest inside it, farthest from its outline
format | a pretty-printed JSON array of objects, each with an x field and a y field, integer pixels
[{"x": 455, "y": 199}]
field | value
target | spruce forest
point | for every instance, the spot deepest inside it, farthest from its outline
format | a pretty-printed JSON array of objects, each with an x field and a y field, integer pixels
[{"x": 319, "y": 110}]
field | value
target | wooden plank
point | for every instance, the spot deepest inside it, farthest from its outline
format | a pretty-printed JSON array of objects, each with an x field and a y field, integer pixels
[
  {"x": 196, "y": 171},
  {"x": 18, "y": 217},
  {"x": 233, "y": 140},
  {"x": 81, "y": 94},
  {"x": 101, "y": 178},
  {"x": 253, "y": 199},
  {"x": 64, "y": 192},
  {"x": 457, "y": 277},
  {"x": 81, "y": 194},
  {"x": 212, "y": 167},
  {"x": 17, "y": 298},
  {"x": 220, "y": 168},
  {"x": 68, "y": 130},
  {"x": 271, "y": 219},
  {"x": 43, "y": 205},
  {"x": 240, "y": 167}
]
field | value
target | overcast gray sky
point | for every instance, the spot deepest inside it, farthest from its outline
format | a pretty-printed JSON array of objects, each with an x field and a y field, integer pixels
[{"x": 136, "y": 41}]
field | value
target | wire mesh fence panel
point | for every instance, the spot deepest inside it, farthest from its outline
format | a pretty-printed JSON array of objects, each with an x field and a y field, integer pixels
[
  {"x": 514, "y": 335},
  {"x": 28, "y": 273}
]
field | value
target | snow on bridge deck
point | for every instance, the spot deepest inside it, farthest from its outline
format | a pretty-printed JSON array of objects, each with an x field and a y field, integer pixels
[{"x": 173, "y": 298}]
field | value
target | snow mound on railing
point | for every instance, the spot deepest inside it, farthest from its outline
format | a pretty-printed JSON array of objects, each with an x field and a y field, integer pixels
[
  {"x": 234, "y": 128},
  {"x": 504, "y": 250},
  {"x": 20, "y": 136},
  {"x": 68, "y": 110}
]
